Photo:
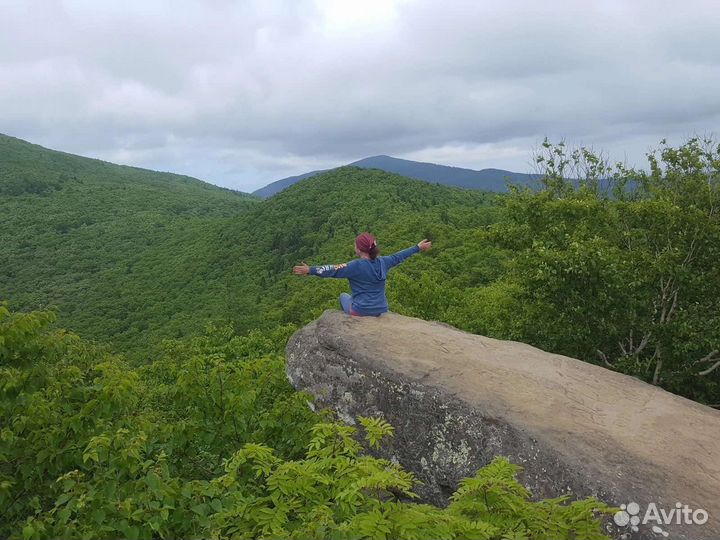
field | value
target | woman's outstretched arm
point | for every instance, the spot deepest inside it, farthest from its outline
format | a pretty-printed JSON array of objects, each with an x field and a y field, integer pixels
[
  {"x": 400, "y": 256},
  {"x": 327, "y": 270}
]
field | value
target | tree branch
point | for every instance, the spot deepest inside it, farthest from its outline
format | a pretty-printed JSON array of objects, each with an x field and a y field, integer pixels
[
  {"x": 710, "y": 369},
  {"x": 631, "y": 348},
  {"x": 707, "y": 358},
  {"x": 603, "y": 357},
  {"x": 658, "y": 365}
]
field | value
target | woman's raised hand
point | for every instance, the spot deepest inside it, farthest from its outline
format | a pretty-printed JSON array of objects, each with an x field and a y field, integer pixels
[
  {"x": 301, "y": 269},
  {"x": 424, "y": 245}
]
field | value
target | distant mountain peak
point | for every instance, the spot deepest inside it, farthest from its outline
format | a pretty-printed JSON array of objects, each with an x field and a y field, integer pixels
[
  {"x": 486, "y": 179},
  {"x": 379, "y": 156}
]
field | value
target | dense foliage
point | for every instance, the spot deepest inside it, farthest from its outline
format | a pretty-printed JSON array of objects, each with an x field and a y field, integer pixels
[
  {"x": 210, "y": 441},
  {"x": 618, "y": 268}
]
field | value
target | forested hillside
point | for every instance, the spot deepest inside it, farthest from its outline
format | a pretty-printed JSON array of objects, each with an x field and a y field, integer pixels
[
  {"x": 129, "y": 256},
  {"x": 121, "y": 253}
]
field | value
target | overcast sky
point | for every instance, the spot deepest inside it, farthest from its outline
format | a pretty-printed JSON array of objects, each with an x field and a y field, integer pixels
[{"x": 242, "y": 93}]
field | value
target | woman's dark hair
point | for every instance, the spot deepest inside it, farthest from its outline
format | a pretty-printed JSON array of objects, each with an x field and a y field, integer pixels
[{"x": 374, "y": 251}]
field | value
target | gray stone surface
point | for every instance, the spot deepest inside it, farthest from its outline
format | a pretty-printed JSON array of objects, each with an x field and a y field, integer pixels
[{"x": 456, "y": 400}]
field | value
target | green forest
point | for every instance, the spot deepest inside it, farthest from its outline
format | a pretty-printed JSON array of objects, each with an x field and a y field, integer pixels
[{"x": 144, "y": 318}]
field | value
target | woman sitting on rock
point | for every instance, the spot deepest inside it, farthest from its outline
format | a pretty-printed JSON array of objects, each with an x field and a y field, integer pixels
[{"x": 367, "y": 275}]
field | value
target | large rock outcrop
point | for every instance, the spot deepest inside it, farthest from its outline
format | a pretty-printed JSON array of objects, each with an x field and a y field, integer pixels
[{"x": 457, "y": 400}]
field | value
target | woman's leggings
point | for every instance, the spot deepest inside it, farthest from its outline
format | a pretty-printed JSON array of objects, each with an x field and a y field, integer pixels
[{"x": 346, "y": 303}]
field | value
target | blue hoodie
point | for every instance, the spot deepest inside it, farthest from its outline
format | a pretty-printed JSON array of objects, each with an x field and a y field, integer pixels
[{"x": 367, "y": 279}]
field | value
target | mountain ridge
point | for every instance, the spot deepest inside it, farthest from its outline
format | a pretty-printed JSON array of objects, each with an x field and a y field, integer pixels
[
  {"x": 490, "y": 179},
  {"x": 12, "y": 147}
]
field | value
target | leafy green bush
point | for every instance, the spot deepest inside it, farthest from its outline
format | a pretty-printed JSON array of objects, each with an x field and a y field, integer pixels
[{"x": 85, "y": 438}]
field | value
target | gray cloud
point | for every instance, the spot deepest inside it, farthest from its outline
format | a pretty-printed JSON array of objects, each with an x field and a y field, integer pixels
[{"x": 243, "y": 93}]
